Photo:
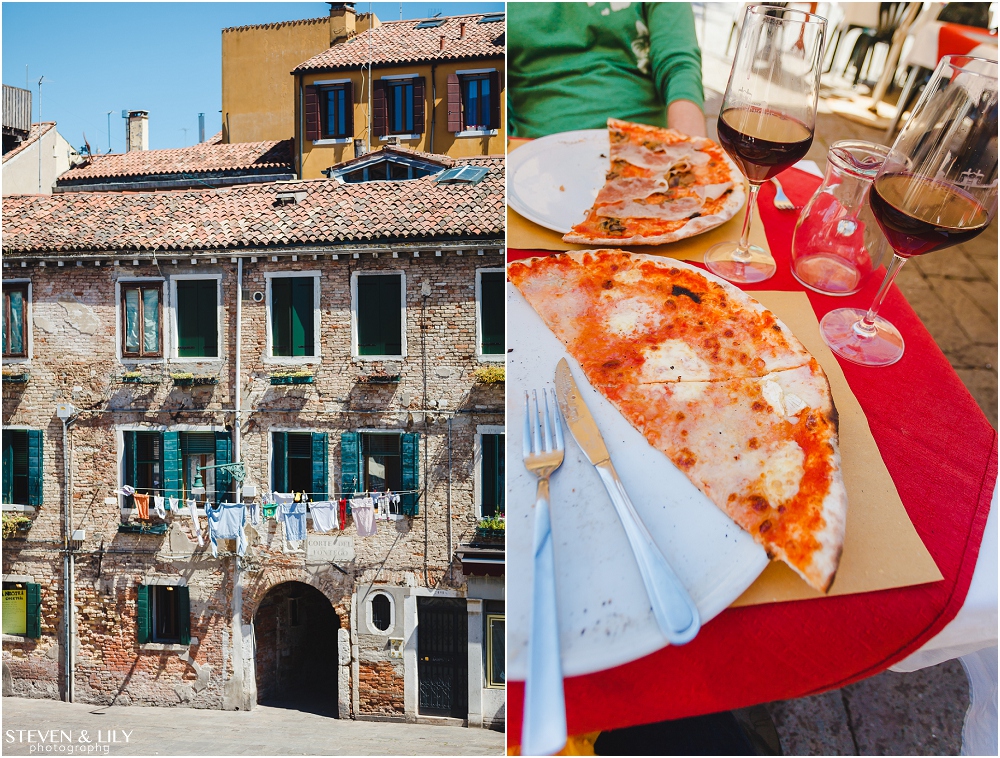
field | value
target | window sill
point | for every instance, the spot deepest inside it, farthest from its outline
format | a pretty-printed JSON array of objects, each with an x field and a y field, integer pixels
[
  {"x": 333, "y": 141},
  {"x": 168, "y": 647},
  {"x": 18, "y": 638},
  {"x": 355, "y": 357},
  {"x": 292, "y": 360},
  {"x": 18, "y": 508},
  {"x": 21, "y": 360},
  {"x": 491, "y": 357},
  {"x": 478, "y": 133},
  {"x": 407, "y": 137},
  {"x": 127, "y": 361},
  {"x": 203, "y": 359}
]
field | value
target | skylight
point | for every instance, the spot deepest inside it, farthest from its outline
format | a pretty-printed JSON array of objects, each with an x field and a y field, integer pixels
[
  {"x": 429, "y": 23},
  {"x": 462, "y": 175},
  {"x": 491, "y": 18}
]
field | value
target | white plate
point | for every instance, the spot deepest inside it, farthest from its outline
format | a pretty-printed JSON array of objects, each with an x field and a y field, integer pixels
[
  {"x": 553, "y": 180},
  {"x": 604, "y": 615}
]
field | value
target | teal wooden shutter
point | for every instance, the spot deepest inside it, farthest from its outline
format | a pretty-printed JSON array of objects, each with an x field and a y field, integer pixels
[
  {"x": 350, "y": 462},
  {"x": 33, "y": 611},
  {"x": 302, "y": 316},
  {"x": 8, "y": 468},
  {"x": 223, "y": 455},
  {"x": 142, "y": 624},
  {"x": 172, "y": 477},
  {"x": 279, "y": 461},
  {"x": 379, "y": 315},
  {"x": 410, "y": 468},
  {"x": 319, "y": 466},
  {"x": 129, "y": 475},
  {"x": 281, "y": 311},
  {"x": 35, "y": 489},
  {"x": 491, "y": 312},
  {"x": 184, "y": 614},
  {"x": 197, "y": 318}
]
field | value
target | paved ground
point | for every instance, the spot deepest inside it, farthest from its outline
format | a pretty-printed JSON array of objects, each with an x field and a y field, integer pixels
[
  {"x": 187, "y": 731},
  {"x": 955, "y": 294}
]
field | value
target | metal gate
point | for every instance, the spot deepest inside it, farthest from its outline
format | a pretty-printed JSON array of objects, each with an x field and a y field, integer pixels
[{"x": 442, "y": 656}]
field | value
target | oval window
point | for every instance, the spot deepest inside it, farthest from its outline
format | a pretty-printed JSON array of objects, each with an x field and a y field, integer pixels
[{"x": 380, "y": 612}]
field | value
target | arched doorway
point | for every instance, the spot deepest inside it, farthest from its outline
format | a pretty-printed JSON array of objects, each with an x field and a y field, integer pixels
[{"x": 296, "y": 661}]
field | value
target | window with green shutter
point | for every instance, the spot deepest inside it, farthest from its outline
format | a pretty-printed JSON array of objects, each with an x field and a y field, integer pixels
[
  {"x": 410, "y": 465},
  {"x": 22, "y": 609},
  {"x": 163, "y": 614},
  {"x": 491, "y": 312},
  {"x": 380, "y": 314},
  {"x": 299, "y": 463},
  {"x": 143, "y": 461},
  {"x": 350, "y": 462},
  {"x": 22, "y": 466},
  {"x": 141, "y": 320},
  {"x": 15, "y": 320},
  {"x": 492, "y": 475},
  {"x": 197, "y": 318},
  {"x": 293, "y": 310}
]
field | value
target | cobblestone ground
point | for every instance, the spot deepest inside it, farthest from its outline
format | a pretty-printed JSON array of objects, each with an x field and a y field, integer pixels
[
  {"x": 135, "y": 730},
  {"x": 955, "y": 294}
]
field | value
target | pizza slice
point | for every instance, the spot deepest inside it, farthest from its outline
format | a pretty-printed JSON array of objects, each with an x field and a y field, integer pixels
[{"x": 661, "y": 186}]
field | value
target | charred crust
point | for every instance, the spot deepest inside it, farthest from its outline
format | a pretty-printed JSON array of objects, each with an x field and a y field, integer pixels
[{"x": 678, "y": 290}]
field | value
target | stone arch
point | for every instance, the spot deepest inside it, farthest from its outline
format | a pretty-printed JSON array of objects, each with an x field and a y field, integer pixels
[{"x": 256, "y": 587}]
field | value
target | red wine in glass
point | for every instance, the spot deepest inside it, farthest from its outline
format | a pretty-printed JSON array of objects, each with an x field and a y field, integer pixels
[
  {"x": 763, "y": 143},
  {"x": 919, "y": 215}
]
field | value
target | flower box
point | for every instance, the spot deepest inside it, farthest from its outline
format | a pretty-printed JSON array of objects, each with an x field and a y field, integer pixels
[
  {"x": 138, "y": 528},
  {"x": 379, "y": 379},
  {"x": 279, "y": 379},
  {"x": 190, "y": 380},
  {"x": 21, "y": 378},
  {"x": 138, "y": 379},
  {"x": 490, "y": 375},
  {"x": 16, "y": 526},
  {"x": 485, "y": 534}
]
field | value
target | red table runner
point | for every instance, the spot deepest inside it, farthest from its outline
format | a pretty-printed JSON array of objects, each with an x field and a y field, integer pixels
[{"x": 942, "y": 455}]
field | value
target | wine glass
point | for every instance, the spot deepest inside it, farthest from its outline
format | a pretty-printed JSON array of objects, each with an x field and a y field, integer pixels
[
  {"x": 936, "y": 189},
  {"x": 768, "y": 116}
]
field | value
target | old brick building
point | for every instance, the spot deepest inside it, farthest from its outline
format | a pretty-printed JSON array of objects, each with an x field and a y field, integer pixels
[{"x": 331, "y": 337}]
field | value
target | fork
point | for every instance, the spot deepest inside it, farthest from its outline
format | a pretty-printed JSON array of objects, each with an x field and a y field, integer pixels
[
  {"x": 781, "y": 201},
  {"x": 544, "y": 727}
]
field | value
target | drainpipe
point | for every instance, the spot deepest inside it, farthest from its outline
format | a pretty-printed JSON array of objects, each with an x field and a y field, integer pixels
[
  {"x": 450, "y": 554},
  {"x": 425, "y": 292},
  {"x": 237, "y": 620},
  {"x": 68, "y": 562},
  {"x": 238, "y": 383},
  {"x": 433, "y": 103},
  {"x": 302, "y": 108}
]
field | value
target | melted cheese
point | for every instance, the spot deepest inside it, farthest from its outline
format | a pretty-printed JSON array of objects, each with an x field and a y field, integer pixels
[
  {"x": 783, "y": 472},
  {"x": 772, "y": 392},
  {"x": 668, "y": 210},
  {"x": 674, "y": 361},
  {"x": 628, "y": 316}
]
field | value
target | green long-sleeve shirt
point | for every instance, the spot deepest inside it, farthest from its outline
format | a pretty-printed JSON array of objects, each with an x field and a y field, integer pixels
[{"x": 572, "y": 65}]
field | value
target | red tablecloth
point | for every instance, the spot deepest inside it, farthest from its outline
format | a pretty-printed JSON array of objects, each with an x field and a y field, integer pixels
[
  {"x": 942, "y": 454},
  {"x": 956, "y": 39}
]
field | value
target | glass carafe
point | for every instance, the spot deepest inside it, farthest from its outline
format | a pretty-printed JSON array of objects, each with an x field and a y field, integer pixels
[{"x": 837, "y": 244}]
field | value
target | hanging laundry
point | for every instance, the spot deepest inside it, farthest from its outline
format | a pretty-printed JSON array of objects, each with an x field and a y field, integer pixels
[
  {"x": 142, "y": 505},
  {"x": 226, "y": 522},
  {"x": 293, "y": 516},
  {"x": 324, "y": 515},
  {"x": 172, "y": 504},
  {"x": 269, "y": 510},
  {"x": 363, "y": 509},
  {"x": 158, "y": 501},
  {"x": 342, "y": 513},
  {"x": 192, "y": 506},
  {"x": 381, "y": 506}
]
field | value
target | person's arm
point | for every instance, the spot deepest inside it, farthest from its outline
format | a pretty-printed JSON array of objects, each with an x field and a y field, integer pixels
[{"x": 686, "y": 117}]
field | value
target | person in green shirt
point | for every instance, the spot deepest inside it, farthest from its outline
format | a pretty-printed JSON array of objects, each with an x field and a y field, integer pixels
[{"x": 572, "y": 65}]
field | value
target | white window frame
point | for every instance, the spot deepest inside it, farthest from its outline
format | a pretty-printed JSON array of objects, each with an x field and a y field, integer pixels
[
  {"x": 293, "y": 360},
  {"x": 165, "y": 345},
  {"x": 477, "y": 462},
  {"x": 27, "y": 323},
  {"x": 399, "y": 433},
  {"x": 480, "y": 355},
  {"x": 354, "y": 315},
  {"x": 369, "y": 616},
  {"x": 477, "y": 132},
  {"x": 174, "y": 358},
  {"x": 331, "y": 475}
]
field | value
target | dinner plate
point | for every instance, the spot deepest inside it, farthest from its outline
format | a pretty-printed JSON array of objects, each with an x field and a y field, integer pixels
[
  {"x": 553, "y": 180},
  {"x": 603, "y": 611}
]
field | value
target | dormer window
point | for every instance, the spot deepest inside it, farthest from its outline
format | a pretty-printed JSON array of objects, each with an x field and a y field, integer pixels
[{"x": 383, "y": 166}]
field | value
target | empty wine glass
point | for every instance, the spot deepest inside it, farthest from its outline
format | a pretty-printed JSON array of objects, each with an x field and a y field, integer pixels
[
  {"x": 768, "y": 117},
  {"x": 937, "y": 188}
]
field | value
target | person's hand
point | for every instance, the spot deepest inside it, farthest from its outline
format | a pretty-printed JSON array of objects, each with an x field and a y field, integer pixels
[{"x": 687, "y": 118}]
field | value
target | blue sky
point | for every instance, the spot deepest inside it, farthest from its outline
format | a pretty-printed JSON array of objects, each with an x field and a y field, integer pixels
[{"x": 165, "y": 58}]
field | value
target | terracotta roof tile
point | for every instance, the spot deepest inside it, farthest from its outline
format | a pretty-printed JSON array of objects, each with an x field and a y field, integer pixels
[
  {"x": 201, "y": 158},
  {"x": 37, "y": 130},
  {"x": 402, "y": 42},
  {"x": 250, "y": 216}
]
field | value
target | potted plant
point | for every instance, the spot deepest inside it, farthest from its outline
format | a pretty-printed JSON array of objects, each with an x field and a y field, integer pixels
[
  {"x": 132, "y": 377},
  {"x": 292, "y": 377},
  {"x": 16, "y": 377},
  {"x": 379, "y": 377},
  {"x": 491, "y": 530},
  {"x": 15, "y": 526},
  {"x": 187, "y": 379},
  {"x": 490, "y": 374},
  {"x": 137, "y": 527}
]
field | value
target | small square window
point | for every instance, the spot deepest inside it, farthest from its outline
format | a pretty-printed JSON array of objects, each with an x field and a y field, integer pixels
[
  {"x": 197, "y": 318},
  {"x": 293, "y": 314},
  {"x": 381, "y": 462},
  {"x": 380, "y": 314},
  {"x": 15, "y": 324},
  {"x": 165, "y": 612},
  {"x": 141, "y": 306}
]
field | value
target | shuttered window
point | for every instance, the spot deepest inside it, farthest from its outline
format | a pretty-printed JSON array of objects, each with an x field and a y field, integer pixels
[
  {"x": 491, "y": 312},
  {"x": 22, "y": 466},
  {"x": 299, "y": 463},
  {"x": 398, "y": 106},
  {"x": 293, "y": 310},
  {"x": 15, "y": 326},
  {"x": 379, "y": 461},
  {"x": 477, "y": 102},
  {"x": 337, "y": 111},
  {"x": 141, "y": 307},
  {"x": 22, "y": 609},
  {"x": 492, "y": 475},
  {"x": 170, "y": 463},
  {"x": 379, "y": 314},
  {"x": 197, "y": 318},
  {"x": 163, "y": 614}
]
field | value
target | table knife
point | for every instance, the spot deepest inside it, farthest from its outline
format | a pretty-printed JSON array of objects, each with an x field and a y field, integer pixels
[{"x": 674, "y": 610}]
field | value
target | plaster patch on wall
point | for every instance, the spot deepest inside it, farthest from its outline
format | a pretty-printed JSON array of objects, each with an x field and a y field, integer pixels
[{"x": 81, "y": 317}]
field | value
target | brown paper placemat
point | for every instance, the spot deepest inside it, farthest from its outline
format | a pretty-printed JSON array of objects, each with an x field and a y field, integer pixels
[
  {"x": 881, "y": 548},
  {"x": 523, "y": 234}
]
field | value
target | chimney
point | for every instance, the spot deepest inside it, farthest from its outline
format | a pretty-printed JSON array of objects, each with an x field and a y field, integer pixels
[
  {"x": 137, "y": 131},
  {"x": 461, "y": 30},
  {"x": 343, "y": 22},
  {"x": 442, "y": 41},
  {"x": 201, "y": 127}
]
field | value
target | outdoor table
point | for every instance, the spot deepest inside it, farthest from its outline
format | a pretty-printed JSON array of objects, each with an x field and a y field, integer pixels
[{"x": 942, "y": 455}]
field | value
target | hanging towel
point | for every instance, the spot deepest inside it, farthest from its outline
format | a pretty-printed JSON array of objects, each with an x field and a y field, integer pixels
[
  {"x": 226, "y": 522},
  {"x": 172, "y": 504},
  {"x": 293, "y": 516},
  {"x": 270, "y": 510},
  {"x": 193, "y": 511},
  {"x": 342, "y": 513},
  {"x": 324, "y": 514},
  {"x": 142, "y": 505},
  {"x": 364, "y": 515},
  {"x": 158, "y": 506}
]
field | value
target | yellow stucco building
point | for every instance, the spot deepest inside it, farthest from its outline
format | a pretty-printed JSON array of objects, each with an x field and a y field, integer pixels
[{"x": 347, "y": 85}]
